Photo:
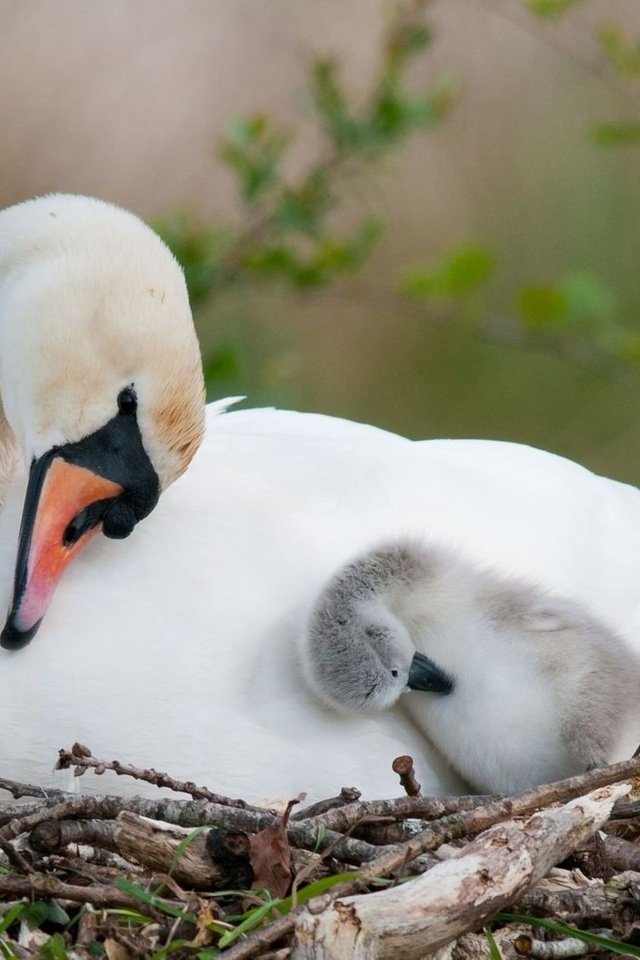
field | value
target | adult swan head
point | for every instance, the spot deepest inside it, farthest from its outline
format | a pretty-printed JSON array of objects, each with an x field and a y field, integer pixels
[{"x": 101, "y": 382}]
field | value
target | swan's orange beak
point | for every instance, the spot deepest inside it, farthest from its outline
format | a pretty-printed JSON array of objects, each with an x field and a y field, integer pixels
[{"x": 63, "y": 509}]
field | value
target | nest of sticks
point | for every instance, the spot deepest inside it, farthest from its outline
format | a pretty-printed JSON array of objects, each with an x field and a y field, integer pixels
[{"x": 551, "y": 873}]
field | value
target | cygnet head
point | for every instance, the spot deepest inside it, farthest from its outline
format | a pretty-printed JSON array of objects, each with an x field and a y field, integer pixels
[
  {"x": 540, "y": 688},
  {"x": 357, "y": 655},
  {"x": 100, "y": 379}
]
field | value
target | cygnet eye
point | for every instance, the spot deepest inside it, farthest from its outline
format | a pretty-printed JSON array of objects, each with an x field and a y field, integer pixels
[
  {"x": 394, "y": 673},
  {"x": 127, "y": 401}
]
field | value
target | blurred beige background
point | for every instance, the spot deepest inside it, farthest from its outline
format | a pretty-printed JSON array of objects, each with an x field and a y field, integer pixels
[{"x": 127, "y": 99}]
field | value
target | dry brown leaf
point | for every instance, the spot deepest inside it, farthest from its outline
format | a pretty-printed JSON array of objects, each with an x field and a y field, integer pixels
[
  {"x": 207, "y": 914},
  {"x": 116, "y": 951},
  {"x": 270, "y": 856}
]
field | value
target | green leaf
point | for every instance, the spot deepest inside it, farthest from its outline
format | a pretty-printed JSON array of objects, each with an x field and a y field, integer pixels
[
  {"x": 494, "y": 950},
  {"x": 302, "y": 208},
  {"x": 630, "y": 348},
  {"x": 254, "y": 917},
  {"x": 57, "y": 914},
  {"x": 551, "y": 8},
  {"x": 321, "y": 832},
  {"x": 11, "y": 916},
  {"x": 279, "y": 260},
  {"x": 616, "y": 134},
  {"x": 588, "y": 300},
  {"x": 7, "y": 950},
  {"x": 543, "y": 306},
  {"x": 407, "y": 38},
  {"x": 330, "y": 104},
  {"x": 462, "y": 272},
  {"x": 340, "y": 256},
  {"x": 183, "y": 846},
  {"x": 614, "y": 946},
  {"x": 131, "y": 916},
  {"x": 37, "y": 913},
  {"x": 208, "y": 953},
  {"x": 253, "y": 150},
  {"x": 624, "y": 56},
  {"x": 578, "y": 302},
  {"x": 315, "y": 889},
  {"x": 173, "y": 947},
  {"x": 152, "y": 900},
  {"x": 54, "y": 948}
]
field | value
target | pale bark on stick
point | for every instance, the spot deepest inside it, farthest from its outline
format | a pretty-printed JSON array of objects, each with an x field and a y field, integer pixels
[
  {"x": 156, "y": 845},
  {"x": 436, "y": 834},
  {"x": 152, "y": 843},
  {"x": 408, "y": 921},
  {"x": 475, "y": 946},
  {"x": 526, "y": 946}
]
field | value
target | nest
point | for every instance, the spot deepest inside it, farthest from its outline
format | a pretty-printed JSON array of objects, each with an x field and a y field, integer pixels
[{"x": 551, "y": 873}]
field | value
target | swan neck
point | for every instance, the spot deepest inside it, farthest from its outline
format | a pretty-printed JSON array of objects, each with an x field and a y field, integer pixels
[{"x": 9, "y": 454}]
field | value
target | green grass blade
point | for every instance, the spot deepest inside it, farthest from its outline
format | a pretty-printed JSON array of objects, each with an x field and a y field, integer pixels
[
  {"x": 183, "y": 845},
  {"x": 152, "y": 900},
  {"x": 252, "y": 920},
  {"x": 314, "y": 890},
  {"x": 494, "y": 950},
  {"x": 15, "y": 913}
]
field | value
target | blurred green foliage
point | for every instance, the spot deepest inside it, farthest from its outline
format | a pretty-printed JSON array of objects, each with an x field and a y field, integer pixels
[
  {"x": 288, "y": 232},
  {"x": 551, "y": 8},
  {"x": 461, "y": 272},
  {"x": 624, "y": 56},
  {"x": 612, "y": 133}
]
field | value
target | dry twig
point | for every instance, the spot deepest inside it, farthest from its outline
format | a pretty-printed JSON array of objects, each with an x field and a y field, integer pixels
[
  {"x": 403, "y": 766},
  {"x": 456, "y": 895},
  {"x": 81, "y": 759},
  {"x": 41, "y": 885}
]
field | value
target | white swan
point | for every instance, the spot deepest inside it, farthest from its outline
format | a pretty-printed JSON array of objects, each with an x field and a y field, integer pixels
[
  {"x": 100, "y": 380},
  {"x": 516, "y": 686},
  {"x": 177, "y": 647}
]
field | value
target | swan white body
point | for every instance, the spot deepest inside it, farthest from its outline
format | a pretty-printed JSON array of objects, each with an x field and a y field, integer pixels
[
  {"x": 515, "y": 685},
  {"x": 176, "y": 647}
]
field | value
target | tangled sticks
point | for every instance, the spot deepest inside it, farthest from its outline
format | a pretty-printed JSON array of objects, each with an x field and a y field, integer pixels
[{"x": 165, "y": 862}]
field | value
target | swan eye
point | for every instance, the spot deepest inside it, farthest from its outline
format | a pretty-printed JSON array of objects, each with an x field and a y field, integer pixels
[
  {"x": 127, "y": 401},
  {"x": 394, "y": 673}
]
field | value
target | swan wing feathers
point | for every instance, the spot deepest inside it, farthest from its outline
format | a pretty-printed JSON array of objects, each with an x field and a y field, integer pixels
[{"x": 178, "y": 647}]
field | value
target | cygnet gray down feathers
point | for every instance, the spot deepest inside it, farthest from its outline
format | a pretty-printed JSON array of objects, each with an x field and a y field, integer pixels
[{"x": 521, "y": 687}]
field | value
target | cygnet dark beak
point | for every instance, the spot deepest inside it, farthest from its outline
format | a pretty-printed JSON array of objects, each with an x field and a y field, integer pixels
[{"x": 424, "y": 675}]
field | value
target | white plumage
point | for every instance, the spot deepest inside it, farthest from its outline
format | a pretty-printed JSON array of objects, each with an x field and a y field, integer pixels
[
  {"x": 177, "y": 647},
  {"x": 515, "y": 685}
]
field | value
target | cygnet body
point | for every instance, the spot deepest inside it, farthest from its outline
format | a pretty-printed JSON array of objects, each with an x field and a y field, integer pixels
[{"x": 514, "y": 685}]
